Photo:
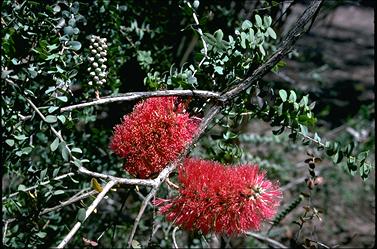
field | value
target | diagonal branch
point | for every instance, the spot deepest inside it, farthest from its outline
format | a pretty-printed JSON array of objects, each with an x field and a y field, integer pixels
[
  {"x": 295, "y": 33},
  {"x": 273, "y": 243},
  {"x": 36, "y": 186},
  {"x": 90, "y": 209}
]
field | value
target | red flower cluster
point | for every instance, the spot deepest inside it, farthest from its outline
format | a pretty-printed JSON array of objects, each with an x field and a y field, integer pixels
[
  {"x": 221, "y": 199},
  {"x": 153, "y": 135}
]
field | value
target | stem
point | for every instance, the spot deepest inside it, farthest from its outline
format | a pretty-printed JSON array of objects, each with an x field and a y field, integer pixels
[
  {"x": 90, "y": 209},
  {"x": 138, "y": 95},
  {"x": 36, "y": 186},
  {"x": 266, "y": 239}
]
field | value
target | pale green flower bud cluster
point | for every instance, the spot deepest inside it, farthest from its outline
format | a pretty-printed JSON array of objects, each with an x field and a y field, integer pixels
[{"x": 97, "y": 59}]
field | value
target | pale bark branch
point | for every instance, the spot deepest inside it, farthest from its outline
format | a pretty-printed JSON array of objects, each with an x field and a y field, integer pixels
[
  {"x": 173, "y": 236},
  {"x": 90, "y": 209},
  {"x": 270, "y": 241},
  {"x": 119, "y": 180},
  {"x": 36, "y": 186},
  {"x": 138, "y": 95},
  {"x": 69, "y": 202},
  {"x": 295, "y": 33}
]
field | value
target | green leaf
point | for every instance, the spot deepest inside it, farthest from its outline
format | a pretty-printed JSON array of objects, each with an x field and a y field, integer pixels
[
  {"x": 77, "y": 162},
  {"x": 51, "y": 119},
  {"x": 246, "y": 25},
  {"x": 55, "y": 172},
  {"x": 54, "y": 145},
  {"x": 62, "y": 118},
  {"x": 74, "y": 45},
  {"x": 362, "y": 156},
  {"x": 292, "y": 96},
  {"x": 351, "y": 163},
  {"x": 135, "y": 244},
  {"x": 77, "y": 150},
  {"x": 20, "y": 137},
  {"x": 271, "y": 33},
  {"x": 218, "y": 70},
  {"x": 304, "y": 101},
  {"x": 337, "y": 158},
  {"x": 261, "y": 49},
  {"x": 21, "y": 187},
  {"x": 258, "y": 20},
  {"x": 81, "y": 214},
  {"x": 10, "y": 142},
  {"x": 267, "y": 21},
  {"x": 243, "y": 40},
  {"x": 41, "y": 235},
  {"x": 283, "y": 95},
  {"x": 59, "y": 192},
  {"x": 68, "y": 30},
  {"x": 364, "y": 170},
  {"x": 51, "y": 109},
  {"x": 210, "y": 38},
  {"x": 219, "y": 35},
  {"x": 26, "y": 150},
  {"x": 65, "y": 153},
  {"x": 43, "y": 174},
  {"x": 62, "y": 98}
]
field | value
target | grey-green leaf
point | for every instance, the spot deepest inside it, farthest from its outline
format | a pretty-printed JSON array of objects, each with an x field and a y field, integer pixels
[
  {"x": 292, "y": 96},
  {"x": 62, "y": 118},
  {"x": 77, "y": 150},
  {"x": 62, "y": 98},
  {"x": 74, "y": 45},
  {"x": 81, "y": 214},
  {"x": 258, "y": 20},
  {"x": 68, "y": 30},
  {"x": 51, "y": 119},
  {"x": 51, "y": 109},
  {"x": 54, "y": 144},
  {"x": 246, "y": 24},
  {"x": 283, "y": 95},
  {"x": 267, "y": 21},
  {"x": 219, "y": 35},
  {"x": 271, "y": 33},
  {"x": 10, "y": 142},
  {"x": 65, "y": 153},
  {"x": 59, "y": 192}
]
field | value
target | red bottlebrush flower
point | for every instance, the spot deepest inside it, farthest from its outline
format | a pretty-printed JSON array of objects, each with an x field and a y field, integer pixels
[
  {"x": 153, "y": 135},
  {"x": 221, "y": 199}
]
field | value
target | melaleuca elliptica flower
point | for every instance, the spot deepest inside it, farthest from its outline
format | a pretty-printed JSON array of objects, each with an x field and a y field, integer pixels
[
  {"x": 153, "y": 135},
  {"x": 221, "y": 199}
]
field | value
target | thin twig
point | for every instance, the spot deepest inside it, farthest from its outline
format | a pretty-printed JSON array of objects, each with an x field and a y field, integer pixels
[
  {"x": 57, "y": 134},
  {"x": 171, "y": 184},
  {"x": 173, "y": 236},
  {"x": 140, "y": 214},
  {"x": 36, "y": 186},
  {"x": 138, "y": 95},
  {"x": 119, "y": 180},
  {"x": 270, "y": 241},
  {"x": 5, "y": 231},
  {"x": 69, "y": 202},
  {"x": 201, "y": 36},
  {"x": 90, "y": 209}
]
